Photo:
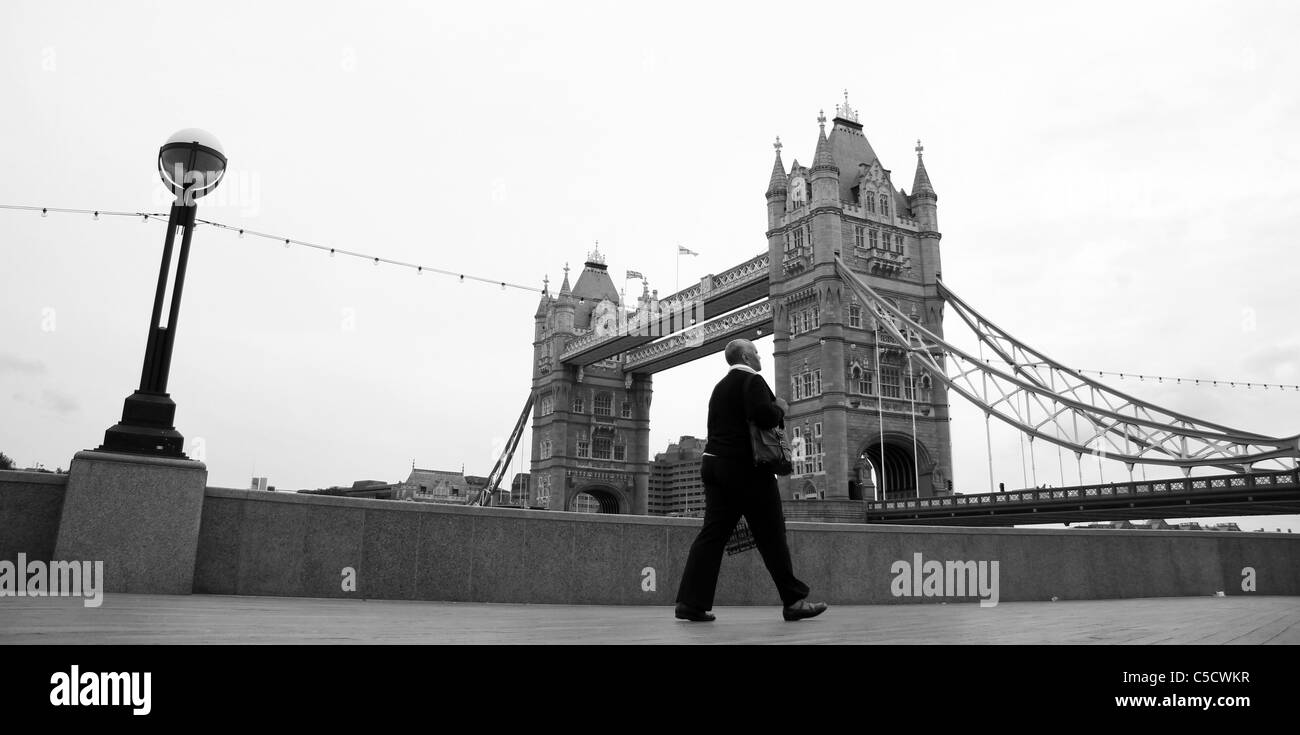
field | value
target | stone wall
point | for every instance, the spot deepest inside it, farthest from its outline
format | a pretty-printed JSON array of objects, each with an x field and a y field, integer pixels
[
  {"x": 270, "y": 544},
  {"x": 30, "y": 504},
  {"x": 283, "y": 544}
]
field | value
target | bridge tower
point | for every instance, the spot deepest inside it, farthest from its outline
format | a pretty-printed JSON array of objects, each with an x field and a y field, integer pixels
[
  {"x": 851, "y": 401},
  {"x": 591, "y": 423}
]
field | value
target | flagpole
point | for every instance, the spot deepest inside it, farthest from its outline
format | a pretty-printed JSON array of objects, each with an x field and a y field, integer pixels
[{"x": 677, "y": 271}]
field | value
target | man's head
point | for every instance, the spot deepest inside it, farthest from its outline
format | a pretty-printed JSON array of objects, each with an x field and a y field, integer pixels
[{"x": 742, "y": 352}]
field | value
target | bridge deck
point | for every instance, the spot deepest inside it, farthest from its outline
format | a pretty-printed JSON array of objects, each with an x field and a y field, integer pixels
[
  {"x": 1261, "y": 493},
  {"x": 208, "y": 619}
]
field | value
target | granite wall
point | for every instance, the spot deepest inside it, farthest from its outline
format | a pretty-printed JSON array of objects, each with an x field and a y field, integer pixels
[
  {"x": 258, "y": 543},
  {"x": 30, "y": 505}
]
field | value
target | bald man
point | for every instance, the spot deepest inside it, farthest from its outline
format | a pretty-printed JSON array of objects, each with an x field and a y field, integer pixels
[{"x": 734, "y": 487}]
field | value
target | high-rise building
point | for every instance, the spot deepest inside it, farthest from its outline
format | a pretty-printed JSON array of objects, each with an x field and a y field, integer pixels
[{"x": 675, "y": 485}]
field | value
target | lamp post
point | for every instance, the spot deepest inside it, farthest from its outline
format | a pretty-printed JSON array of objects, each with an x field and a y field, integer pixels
[{"x": 191, "y": 164}]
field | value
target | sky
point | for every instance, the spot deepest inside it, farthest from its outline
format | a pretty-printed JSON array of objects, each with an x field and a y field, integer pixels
[{"x": 1117, "y": 187}]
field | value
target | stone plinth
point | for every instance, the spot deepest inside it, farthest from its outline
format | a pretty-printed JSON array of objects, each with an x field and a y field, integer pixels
[{"x": 139, "y": 515}]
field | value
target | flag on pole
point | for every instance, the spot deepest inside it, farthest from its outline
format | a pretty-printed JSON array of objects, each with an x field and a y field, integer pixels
[
  {"x": 634, "y": 274},
  {"x": 683, "y": 251}
]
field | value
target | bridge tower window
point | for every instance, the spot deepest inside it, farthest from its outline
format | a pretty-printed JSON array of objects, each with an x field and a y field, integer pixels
[
  {"x": 890, "y": 381},
  {"x": 620, "y": 452},
  {"x": 626, "y": 410},
  {"x": 603, "y": 405},
  {"x": 584, "y": 449},
  {"x": 874, "y": 239},
  {"x": 884, "y": 205},
  {"x": 602, "y": 448},
  {"x": 578, "y": 405},
  {"x": 859, "y": 236},
  {"x": 855, "y": 315},
  {"x": 816, "y": 450}
]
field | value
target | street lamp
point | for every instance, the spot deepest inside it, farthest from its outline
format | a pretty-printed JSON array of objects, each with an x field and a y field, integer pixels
[{"x": 191, "y": 164}]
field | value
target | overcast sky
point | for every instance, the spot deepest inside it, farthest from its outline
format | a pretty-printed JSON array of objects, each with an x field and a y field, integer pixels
[{"x": 1117, "y": 186}]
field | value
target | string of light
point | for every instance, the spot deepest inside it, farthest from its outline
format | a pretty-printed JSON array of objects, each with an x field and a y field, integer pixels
[
  {"x": 420, "y": 269},
  {"x": 1192, "y": 381},
  {"x": 286, "y": 241}
]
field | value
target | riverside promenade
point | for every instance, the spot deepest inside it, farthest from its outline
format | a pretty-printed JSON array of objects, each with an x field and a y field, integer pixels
[{"x": 228, "y": 619}]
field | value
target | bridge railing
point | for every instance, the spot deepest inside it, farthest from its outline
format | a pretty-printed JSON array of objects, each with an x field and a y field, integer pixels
[{"x": 1073, "y": 494}]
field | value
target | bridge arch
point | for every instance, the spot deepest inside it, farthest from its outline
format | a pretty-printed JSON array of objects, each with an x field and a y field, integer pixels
[
  {"x": 597, "y": 498},
  {"x": 890, "y": 471}
]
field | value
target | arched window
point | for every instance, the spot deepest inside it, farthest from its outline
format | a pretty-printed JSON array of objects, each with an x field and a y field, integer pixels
[{"x": 884, "y": 205}]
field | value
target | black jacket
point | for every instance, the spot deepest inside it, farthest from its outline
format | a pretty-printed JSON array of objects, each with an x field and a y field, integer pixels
[{"x": 738, "y": 399}]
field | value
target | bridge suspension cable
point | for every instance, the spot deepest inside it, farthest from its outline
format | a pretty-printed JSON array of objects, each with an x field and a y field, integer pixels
[{"x": 1062, "y": 406}]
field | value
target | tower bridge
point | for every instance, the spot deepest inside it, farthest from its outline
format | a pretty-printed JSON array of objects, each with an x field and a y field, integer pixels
[{"x": 851, "y": 290}]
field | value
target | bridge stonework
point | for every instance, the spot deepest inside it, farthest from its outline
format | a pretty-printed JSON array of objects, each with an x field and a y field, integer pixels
[
  {"x": 591, "y": 423},
  {"x": 867, "y": 424},
  {"x": 847, "y": 382}
]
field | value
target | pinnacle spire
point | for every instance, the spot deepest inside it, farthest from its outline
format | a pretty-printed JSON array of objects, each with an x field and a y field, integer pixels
[
  {"x": 777, "y": 183},
  {"x": 921, "y": 186},
  {"x": 564, "y": 287},
  {"x": 823, "y": 159}
]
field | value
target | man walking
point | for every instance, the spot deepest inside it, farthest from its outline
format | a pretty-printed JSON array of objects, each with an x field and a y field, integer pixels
[{"x": 734, "y": 487}]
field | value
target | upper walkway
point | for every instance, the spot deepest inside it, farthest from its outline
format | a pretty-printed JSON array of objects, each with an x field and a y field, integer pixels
[{"x": 714, "y": 295}]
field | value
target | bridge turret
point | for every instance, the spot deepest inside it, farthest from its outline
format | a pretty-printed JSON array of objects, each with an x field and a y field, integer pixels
[
  {"x": 565, "y": 306},
  {"x": 825, "y": 172},
  {"x": 777, "y": 189},
  {"x": 924, "y": 199},
  {"x": 924, "y": 203}
]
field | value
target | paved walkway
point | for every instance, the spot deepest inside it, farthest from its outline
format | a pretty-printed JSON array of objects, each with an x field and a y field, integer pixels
[{"x": 125, "y": 619}]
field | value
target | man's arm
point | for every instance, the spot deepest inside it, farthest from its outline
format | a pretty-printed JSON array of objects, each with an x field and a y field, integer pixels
[{"x": 760, "y": 408}]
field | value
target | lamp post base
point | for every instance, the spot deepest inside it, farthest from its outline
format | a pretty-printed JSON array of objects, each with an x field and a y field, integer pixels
[{"x": 147, "y": 427}]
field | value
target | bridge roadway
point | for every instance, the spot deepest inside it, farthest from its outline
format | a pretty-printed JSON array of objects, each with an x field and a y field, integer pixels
[
  {"x": 1257, "y": 493},
  {"x": 219, "y": 619}
]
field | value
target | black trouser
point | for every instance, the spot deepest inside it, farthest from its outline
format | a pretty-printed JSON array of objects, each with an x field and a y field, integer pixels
[{"x": 734, "y": 488}]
